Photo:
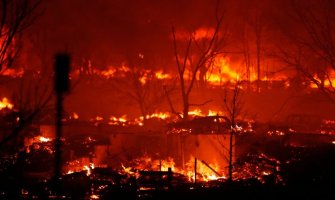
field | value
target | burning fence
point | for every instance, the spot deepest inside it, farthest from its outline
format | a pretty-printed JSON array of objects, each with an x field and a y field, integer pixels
[{"x": 192, "y": 171}]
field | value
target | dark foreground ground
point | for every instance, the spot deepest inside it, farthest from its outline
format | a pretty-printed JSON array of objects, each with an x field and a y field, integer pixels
[
  {"x": 308, "y": 174},
  {"x": 303, "y": 167}
]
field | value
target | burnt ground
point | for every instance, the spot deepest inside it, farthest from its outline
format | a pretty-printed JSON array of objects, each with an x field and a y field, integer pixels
[{"x": 307, "y": 173}]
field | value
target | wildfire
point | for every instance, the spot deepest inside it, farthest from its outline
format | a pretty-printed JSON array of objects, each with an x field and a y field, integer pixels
[
  {"x": 13, "y": 72},
  {"x": 160, "y": 75},
  {"x": 198, "y": 112},
  {"x": 79, "y": 165},
  {"x": 123, "y": 121},
  {"x": 204, "y": 172},
  {"x": 113, "y": 71},
  {"x": 38, "y": 139},
  {"x": 5, "y": 103},
  {"x": 199, "y": 34},
  {"x": 220, "y": 71},
  {"x": 258, "y": 166},
  {"x": 88, "y": 168},
  {"x": 75, "y": 115},
  {"x": 44, "y": 139},
  {"x": 159, "y": 115},
  {"x": 127, "y": 170},
  {"x": 99, "y": 118},
  {"x": 118, "y": 121},
  {"x": 139, "y": 121}
]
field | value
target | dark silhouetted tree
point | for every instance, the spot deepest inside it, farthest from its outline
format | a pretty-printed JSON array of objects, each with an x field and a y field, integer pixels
[
  {"x": 193, "y": 59},
  {"x": 15, "y": 17},
  {"x": 232, "y": 105},
  {"x": 310, "y": 44}
]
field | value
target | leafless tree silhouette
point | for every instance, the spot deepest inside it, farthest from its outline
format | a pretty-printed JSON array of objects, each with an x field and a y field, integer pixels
[
  {"x": 310, "y": 46},
  {"x": 196, "y": 60},
  {"x": 15, "y": 17}
]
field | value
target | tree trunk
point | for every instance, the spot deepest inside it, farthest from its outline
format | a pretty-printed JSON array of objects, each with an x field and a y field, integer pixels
[
  {"x": 230, "y": 170},
  {"x": 186, "y": 108},
  {"x": 258, "y": 44}
]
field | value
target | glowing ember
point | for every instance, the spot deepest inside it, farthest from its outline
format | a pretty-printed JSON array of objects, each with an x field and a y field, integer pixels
[
  {"x": 114, "y": 71},
  {"x": 121, "y": 119},
  {"x": 99, "y": 118},
  {"x": 5, "y": 103},
  {"x": 78, "y": 166},
  {"x": 108, "y": 73},
  {"x": 44, "y": 139},
  {"x": 159, "y": 115},
  {"x": 196, "y": 112},
  {"x": 160, "y": 75},
  {"x": 328, "y": 83},
  {"x": 38, "y": 139},
  {"x": 75, "y": 115},
  {"x": 88, "y": 169},
  {"x": 143, "y": 80},
  {"x": 94, "y": 196},
  {"x": 275, "y": 132},
  {"x": 12, "y": 72},
  {"x": 70, "y": 172},
  {"x": 118, "y": 121},
  {"x": 258, "y": 166},
  {"x": 205, "y": 172}
]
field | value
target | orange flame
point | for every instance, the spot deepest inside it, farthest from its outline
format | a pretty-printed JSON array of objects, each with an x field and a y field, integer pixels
[
  {"x": 199, "y": 112},
  {"x": 13, "y": 72},
  {"x": 99, "y": 118},
  {"x": 220, "y": 72},
  {"x": 111, "y": 71},
  {"x": 159, "y": 115},
  {"x": 204, "y": 173},
  {"x": 44, "y": 139},
  {"x": 75, "y": 115},
  {"x": 160, "y": 75},
  {"x": 5, "y": 103},
  {"x": 328, "y": 83},
  {"x": 79, "y": 165}
]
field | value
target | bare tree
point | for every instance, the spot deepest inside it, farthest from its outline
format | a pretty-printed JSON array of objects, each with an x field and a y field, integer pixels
[
  {"x": 232, "y": 104},
  {"x": 258, "y": 28},
  {"x": 141, "y": 87},
  {"x": 310, "y": 48},
  {"x": 197, "y": 58},
  {"x": 246, "y": 56},
  {"x": 15, "y": 17},
  {"x": 32, "y": 103},
  {"x": 40, "y": 49}
]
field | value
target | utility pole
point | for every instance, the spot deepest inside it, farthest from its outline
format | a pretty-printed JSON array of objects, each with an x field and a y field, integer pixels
[{"x": 62, "y": 68}]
